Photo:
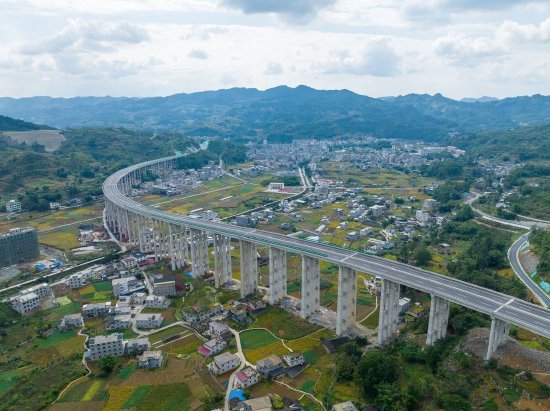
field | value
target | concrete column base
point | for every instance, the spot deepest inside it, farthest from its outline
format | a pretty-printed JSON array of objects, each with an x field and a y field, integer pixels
[
  {"x": 499, "y": 331},
  {"x": 311, "y": 282},
  {"x": 249, "y": 268},
  {"x": 439, "y": 319},
  {"x": 389, "y": 311},
  {"x": 347, "y": 296},
  {"x": 277, "y": 275}
]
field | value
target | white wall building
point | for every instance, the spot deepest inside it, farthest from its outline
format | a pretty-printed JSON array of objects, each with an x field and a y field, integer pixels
[
  {"x": 223, "y": 363},
  {"x": 122, "y": 285},
  {"x": 149, "y": 320},
  {"x": 137, "y": 345},
  {"x": 104, "y": 345},
  {"x": 246, "y": 377},
  {"x": 96, "y": 309},
  {"x": 120, "y": 322},
  {"x": 217, "y": 329},
  {"x": 77, "y": 280},
  {"x": 13, "y": 206},
  {"x": 150, "y": 359},
  {"x": 25, "y": 303},
  {"x": 71, "y": 321},
  {"x": 156, "y": 301},
  {"x": 164, "y": 286}
]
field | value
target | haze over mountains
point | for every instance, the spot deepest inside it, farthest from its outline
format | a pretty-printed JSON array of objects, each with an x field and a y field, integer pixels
[{"x": 283, "y": 113}]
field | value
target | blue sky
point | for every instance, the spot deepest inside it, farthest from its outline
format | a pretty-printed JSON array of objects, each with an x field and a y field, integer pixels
[{"x": 461, "y": 48}]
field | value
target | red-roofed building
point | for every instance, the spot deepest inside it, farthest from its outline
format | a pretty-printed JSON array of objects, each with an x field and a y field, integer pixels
[
  {"x": 246, "y": 377},
  {"x": 212, "y": 347}
]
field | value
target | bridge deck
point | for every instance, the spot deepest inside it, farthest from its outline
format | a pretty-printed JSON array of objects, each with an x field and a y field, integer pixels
[{"x": 510, "y": 309}]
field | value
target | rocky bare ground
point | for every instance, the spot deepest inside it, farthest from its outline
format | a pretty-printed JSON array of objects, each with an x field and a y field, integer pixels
[{"x": 511, "y": 352}]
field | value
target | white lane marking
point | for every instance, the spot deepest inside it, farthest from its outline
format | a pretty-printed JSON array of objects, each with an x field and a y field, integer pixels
[{"x": 504, "y": 305}]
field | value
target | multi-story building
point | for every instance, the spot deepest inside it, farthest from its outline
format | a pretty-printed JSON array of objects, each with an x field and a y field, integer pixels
[
  {"x": 165, "y": 286},
  {"x": 25, "y": 303},
  {"x": 137, "y": 345},
  {"x": 212, "y": 347},
  {"x": 217, "y": 329},
  {"x": 18, "y": 245},
  {"x": 71, "y": 321},
  {"x": 246, "y": 377},
  {"x": 77, "y": 280},
  {"x": 294, "y": 359},
  {"x": 223, "y": 363},
  {"x": 29, "y": 299},
  {"x": 122, "y": 286},
  {"x": 120, "y": 322},
  {"x": 139, "y": 298},
  {"x": 149, "y": 320},
  {"x": 202, "y": 313},
  {"x": 13, "y": 206},
  {"x": 150, "y": 359},
  {"x": 156, "y": 301},
  {"x": 103, "y": 345},
  {"x": 270, "y": 366},
  {"x": 96, "y": 310}
]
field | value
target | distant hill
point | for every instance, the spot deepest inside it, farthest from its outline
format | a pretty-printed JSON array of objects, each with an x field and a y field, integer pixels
[
  {"x": 283, "y": 113},
  {"x": 12, "y": 124},
  {"x": 483, "y": 99},
  {"x": 523, "y": 143}
]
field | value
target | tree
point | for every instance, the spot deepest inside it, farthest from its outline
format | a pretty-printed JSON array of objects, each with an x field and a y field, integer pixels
[
  {"x": 376, "y": 367},
  {"x": 422, "y": 256},
  {"x": 107, "y": 364}
]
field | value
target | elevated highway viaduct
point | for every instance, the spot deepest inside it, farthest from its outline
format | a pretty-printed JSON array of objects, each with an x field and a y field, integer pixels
[{"x": 183, "y": 239}]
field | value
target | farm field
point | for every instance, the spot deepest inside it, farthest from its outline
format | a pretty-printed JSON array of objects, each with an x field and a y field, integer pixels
[
  {"x": 175, "y": 386},
  {"x": 284, "y": 324},
  {"x": 373, "y": 177},
  {"x": 50, "y": 139},
  {"x": 51, "y": 219}
]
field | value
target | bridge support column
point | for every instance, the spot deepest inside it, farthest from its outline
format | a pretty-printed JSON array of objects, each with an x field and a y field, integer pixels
[
  {"x": 347, "y": 295},
  {"x": 222, "y": 260},
  {"x": 249, "y": 268},
  {"x": 499, "y": 332},
  {"x": 439, "y": 319},
  {"x": 311, "y": 281},
  {"x": 199, "y": 253},
  {"x": 389, "y": 310},
  {"x": 277, "y": 275},
  {"x": 172, "y": 247}
]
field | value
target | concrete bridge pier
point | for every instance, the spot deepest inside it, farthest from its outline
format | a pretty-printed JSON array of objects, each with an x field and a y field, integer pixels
[
  {"x": 389, "y": 311},
  {"x": 499, "y": 331},
  {"x": 222, "y": 260},
  {"x": 199, "y": 253},
  {"x": 311, "y": 282},
  {"x": 347, "y": 296},
  {"x": 277, "y": 275},
  {"x": 249, "y": 268},
  {"x": 439, "y": 319}
]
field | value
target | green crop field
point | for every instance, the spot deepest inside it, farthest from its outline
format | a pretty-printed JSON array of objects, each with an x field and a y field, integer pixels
[
  {"x": 56, "y": 338},
  {"x": 252, "y": 339},
  {"x": 166, "y": 397},
  {"x": 283, "y": 324},
  {"x": 137, "y": 397}
]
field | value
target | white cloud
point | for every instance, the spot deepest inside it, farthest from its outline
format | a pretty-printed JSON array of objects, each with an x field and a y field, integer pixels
[
  {"x": 377, "y": 58},
  {"x": 293, "y": 11},
  {"x": 465, "y": 50},
  {"x": 198, "y": 54},
  {"x": 81, "y": 35},
  {"x": 273, "y": 68},
  {"x": 511, "y": 31}
]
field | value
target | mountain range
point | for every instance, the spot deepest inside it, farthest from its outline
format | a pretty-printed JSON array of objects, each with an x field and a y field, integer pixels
[{"x": 283, "y": 113}]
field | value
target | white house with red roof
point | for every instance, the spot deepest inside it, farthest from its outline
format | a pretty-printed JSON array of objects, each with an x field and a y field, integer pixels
[{"x": 246, "y": 377}]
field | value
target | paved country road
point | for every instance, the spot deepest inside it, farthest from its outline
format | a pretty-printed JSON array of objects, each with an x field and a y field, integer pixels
[{"x": 513, "y": 257}]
